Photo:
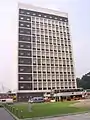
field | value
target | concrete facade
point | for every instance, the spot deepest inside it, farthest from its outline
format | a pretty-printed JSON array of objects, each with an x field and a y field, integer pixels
[{"x": 45, "y": 56}]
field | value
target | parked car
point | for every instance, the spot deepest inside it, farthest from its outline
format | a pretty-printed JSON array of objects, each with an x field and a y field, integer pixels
[
  {"x": 47, "y": 99},
  {"x": 8, "y": 100},
  {"x": 37, "y": 100}
]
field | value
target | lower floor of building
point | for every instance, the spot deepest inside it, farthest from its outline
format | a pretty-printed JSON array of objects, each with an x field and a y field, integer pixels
[{"x": 24, "y": 97}]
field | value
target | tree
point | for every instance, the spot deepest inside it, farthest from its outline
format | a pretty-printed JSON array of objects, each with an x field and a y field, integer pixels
[
  {"x": 78, "y": 80},
  {"x": 9, "y": 92},
  {"x": 84, "y": 82}
]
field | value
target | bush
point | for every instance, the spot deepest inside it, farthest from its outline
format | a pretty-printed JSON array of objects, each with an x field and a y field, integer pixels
[{"x": 1, "y": 105}]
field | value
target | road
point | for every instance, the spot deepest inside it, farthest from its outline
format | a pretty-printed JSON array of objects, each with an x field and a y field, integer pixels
[
  {"x": 85, "y": 116},
  {"x": 4, "y": 115}
]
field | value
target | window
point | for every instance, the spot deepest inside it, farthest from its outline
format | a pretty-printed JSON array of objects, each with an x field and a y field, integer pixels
[
  {"x": 50, "y": 17},
  {"x": 24, "y": 24},
  {"x": 55, "y": 18},
  {"x": 45, "y": 16},
  {"x": 45, "y": 20},
  {"x": 73, "y": 80},
  {"x": 41, "y": 19},
  {"x": 25, "y": 86},
  {"x": 21, "y": 87},
  {"x": 27, "y": 13},
  {"x": 24, "y": 38},
  {"x": 21, "y": 18},
  {"x": 24, "y": 69},
  {"x": 24, "y": 31},
  {"x": 39, "y": 61},
  {"x": 24, "y": 18},
  {"x": 25, "y": 77},
  {"x": 39, "y": 15},
  {"x": 21, "y": 53},
  {"x": 34, "y": 60},
  {"x": 34, "y": 14},
  {"x": 24, "y": 45},
  {"x": 38, "y": 46},
  {"x": 39, "y": 76},
  {"x": 21, "y": 11},
  {"x": 21, "y": 70},
  {"x": 25, "y": 60}
]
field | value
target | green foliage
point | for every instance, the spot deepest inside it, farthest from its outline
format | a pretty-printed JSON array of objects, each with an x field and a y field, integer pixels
[
  {"x": 84, "y": 82},
  {"x": 1, "y": 105},
  {"x": 46, "y": 109}
]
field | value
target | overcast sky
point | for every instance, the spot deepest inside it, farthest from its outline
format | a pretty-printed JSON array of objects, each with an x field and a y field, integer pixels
[{"x": 79, "y": 19}]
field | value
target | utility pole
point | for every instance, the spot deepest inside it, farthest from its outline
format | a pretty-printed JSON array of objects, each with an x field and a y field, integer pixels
[{"x": 29, "y": 105}]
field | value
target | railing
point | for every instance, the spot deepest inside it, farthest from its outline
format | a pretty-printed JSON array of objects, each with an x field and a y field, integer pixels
[
  {"x": 69, "y": 93},
  {"x": 13, "y": 110}
]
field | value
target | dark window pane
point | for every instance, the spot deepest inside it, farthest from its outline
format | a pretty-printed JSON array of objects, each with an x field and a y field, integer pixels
[
  {"x": 25, "y": 24},
  {"x": 25, "y": 69},
  {"x": 24, "y": 45},
  {"x": 25, "y": 77},
  {"x": 25, "y": 86},
  {"x": 24, "y": 18},
  {"x": 24, "y": 31},
  {"x": 25, "y": 61},
  {"x": 24, "y": 38},
  {"x": 26, "y": 53}
]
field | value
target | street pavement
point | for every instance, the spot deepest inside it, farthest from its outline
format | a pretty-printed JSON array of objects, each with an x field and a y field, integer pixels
[
  {"x": 85, "y": 116},
  {"x": 4, "y": 115}
]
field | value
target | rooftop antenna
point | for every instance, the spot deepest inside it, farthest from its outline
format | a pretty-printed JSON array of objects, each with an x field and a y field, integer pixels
[{"x": 2, "y": 88}]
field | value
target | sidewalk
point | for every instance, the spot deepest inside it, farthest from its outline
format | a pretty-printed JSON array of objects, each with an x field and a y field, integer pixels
[{"x": 4, "y": 115}]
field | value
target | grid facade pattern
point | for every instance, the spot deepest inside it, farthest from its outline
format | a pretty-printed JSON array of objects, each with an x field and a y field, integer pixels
[{"x": 45, "y": 59}]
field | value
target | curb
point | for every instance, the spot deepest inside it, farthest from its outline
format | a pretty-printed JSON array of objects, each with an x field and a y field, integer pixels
[
  {"x": 12, "y": 114},
  {"x": 61, "y": 115},
  {"x": 47, "y": 117}
]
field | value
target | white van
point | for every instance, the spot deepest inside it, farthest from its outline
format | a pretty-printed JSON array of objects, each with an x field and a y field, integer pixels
[{"x": 8, "y": 100}]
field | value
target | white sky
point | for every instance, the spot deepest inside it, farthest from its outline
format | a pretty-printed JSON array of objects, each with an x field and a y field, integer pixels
[{"x": 79, "y": 19}]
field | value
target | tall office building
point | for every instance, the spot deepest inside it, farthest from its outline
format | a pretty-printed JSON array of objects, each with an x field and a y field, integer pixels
[{"x": 45, "y": 58}]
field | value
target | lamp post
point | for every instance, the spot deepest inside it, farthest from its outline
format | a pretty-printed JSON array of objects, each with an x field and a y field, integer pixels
[
  {"x": 52, "y": 94},
  {"x": 29, "y": 105}
]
